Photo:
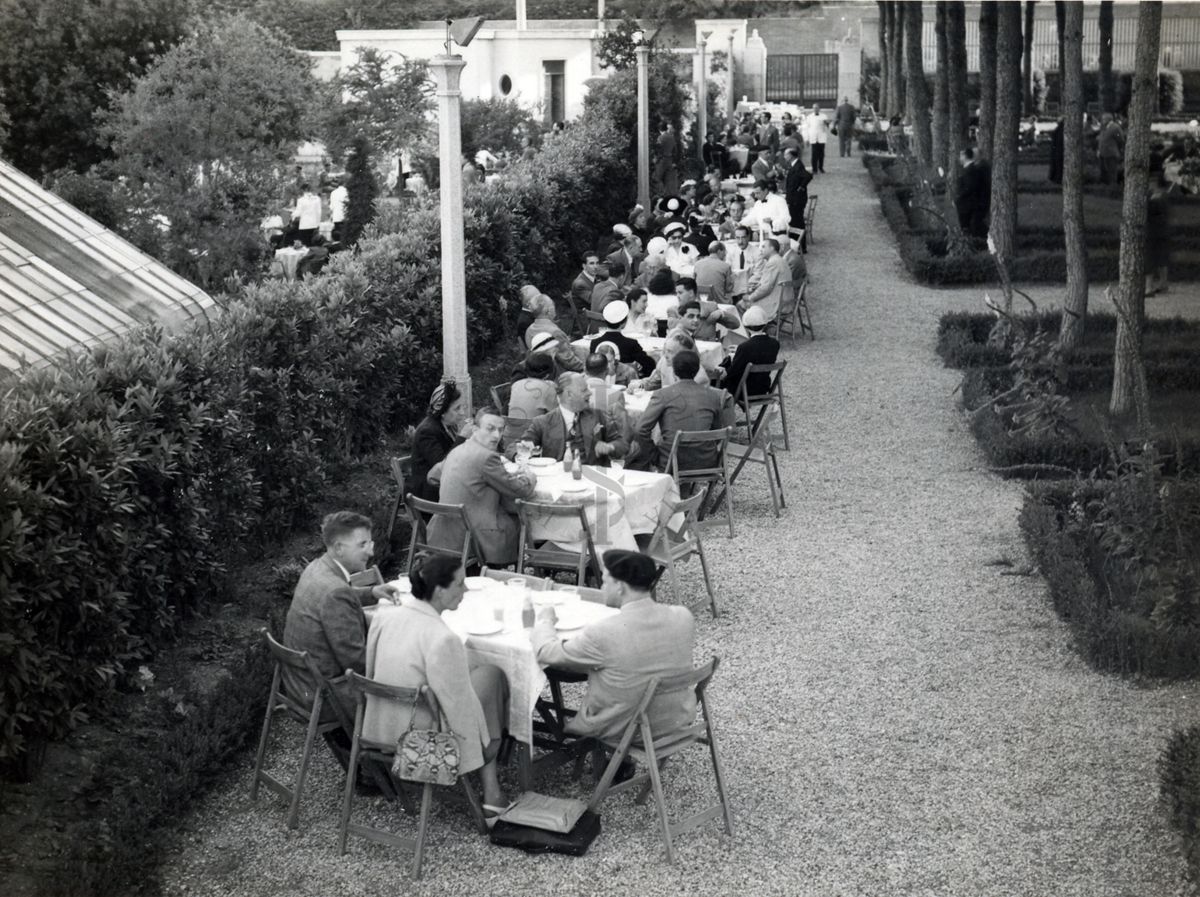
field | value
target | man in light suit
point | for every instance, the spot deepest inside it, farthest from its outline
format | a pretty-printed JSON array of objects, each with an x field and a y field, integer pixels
[
  {"x": 713, "y": 274},
  {"x": 685, "y": 405},
  {"x": 623, "y": 652},
  {"x": 577, "y": 423},
  {"x": 765, "y": 292},
  {"x": 744, "y": 262},
  {"x": 473, "y": 475}
]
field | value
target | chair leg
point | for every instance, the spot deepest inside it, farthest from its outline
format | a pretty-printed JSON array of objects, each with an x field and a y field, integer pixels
[
  {"x": 348, "y": 797},
  {"x": 712, "y": 596},
  {"x": 422, "y": 829},
  {"x": 718, "y": 774},
  {"x": 266, "y": 732},
  {"x": 659, "y": 799},
  {"x": 475, "y": 804},
  {"x": 778, "y": 478},
  {"x": 674, "y": 578},
  {"x": 729, "y": 505},
  {"x": 392, "y": 519},
  {"x": 293, "y": 820},
  {"x": 787, "y": 447}
]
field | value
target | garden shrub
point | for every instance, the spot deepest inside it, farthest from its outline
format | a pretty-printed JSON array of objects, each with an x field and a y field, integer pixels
[{"x": 1179, "y": 783}]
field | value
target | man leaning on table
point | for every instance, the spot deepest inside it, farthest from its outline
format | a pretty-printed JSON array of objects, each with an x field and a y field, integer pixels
[
  {"x": 575, "y": 422},
  {"x": 623, "y": 652}
]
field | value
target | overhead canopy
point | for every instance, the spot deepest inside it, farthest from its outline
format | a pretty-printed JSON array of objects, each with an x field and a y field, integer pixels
[{"x": 66, "y": 281}]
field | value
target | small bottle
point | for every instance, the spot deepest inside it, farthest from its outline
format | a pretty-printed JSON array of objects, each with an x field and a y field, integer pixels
[
  {"x": 567, "y": 459},
  {"x": 527, "y": 616},
  {"x": 576, "y": 468}
]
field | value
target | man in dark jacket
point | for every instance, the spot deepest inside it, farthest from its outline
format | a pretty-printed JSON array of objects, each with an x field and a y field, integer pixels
[
  {"x": 629, "y": 350},
  {"x": 974, "y": 198},
  {"x": 685, "y": 405},
  {"x": 758, "y": 349},
  {"x": 795, "y": 192}
]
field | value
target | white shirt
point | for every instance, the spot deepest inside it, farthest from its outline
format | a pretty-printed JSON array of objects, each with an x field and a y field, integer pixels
[
  {"x": 308, "y": 210},
  {"x": 338, "y": 200},
  {"x": 568, "y": 416},
  {"x": 683, "y": 260},
  {"x": 773, "y": 207},
  {"x": 816, "y": 128}
]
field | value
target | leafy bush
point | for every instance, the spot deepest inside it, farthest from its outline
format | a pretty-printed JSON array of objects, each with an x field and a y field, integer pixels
[
  {"x": 495, "y": 124},
  {"x": 1170, "y": 92},
  {"x": 1179, "y": 783}
]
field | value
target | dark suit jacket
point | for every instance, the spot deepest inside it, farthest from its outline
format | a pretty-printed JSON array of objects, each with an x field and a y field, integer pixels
[
  {"x": 629, "y": 350},
  {"x": 549, "y": 430},
  {"x": 685, "y": 405},
  {"x": 628, "y": 267},
  {"x": 975, "y": 188},
  {"x": 581, "y": 290},
  {"x": 431, "y": 444},
  {"x": 759, "y": 349},
  {"x": 795, "y": 191},
  {"x": 604, "y": 292}
]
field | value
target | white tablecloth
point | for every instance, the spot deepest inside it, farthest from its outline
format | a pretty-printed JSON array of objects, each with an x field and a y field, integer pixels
[
  {"x": 711, "y": 352},
  {"x": 289, "y": 259},
  {"x": 509, "y": 649}
]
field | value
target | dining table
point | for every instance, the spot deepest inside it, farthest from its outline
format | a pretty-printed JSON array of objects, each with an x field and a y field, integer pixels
[
  {"x": 489, "y": 624},
  {"x": 289, "y": 260},
  {"x": 710, "y": 351}
]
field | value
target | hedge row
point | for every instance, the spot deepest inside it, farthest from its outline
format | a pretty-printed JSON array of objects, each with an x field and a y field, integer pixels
[
  {"x": 132, "y": 477},
  {"x": 962, "y": 340},
  {"x": 1040, "y": 259},
  {"x": 1111, "y": 623},
  {"x": 1179, "y": 782}
]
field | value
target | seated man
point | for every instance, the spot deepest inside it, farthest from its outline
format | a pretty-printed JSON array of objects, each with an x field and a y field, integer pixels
[
  {"x": 713, "y": 274},
  {"x": 629, "y": 350},
  {"x": 623, "y": 652},
  {"x": 606, "y": 397},
  {"x": 474, "y": 475},
  {"x": 686, "y": 405},
  {"x": 745, "y": 260},
  {"x": 758, "y": 349},
  {"x": 664, "y": 375},
  {"x": 704, "y": 316},
  {"x": 325, "y": 619},
  {"x": 534, "y": 393},
  {"x": 766, "y": 288},
  {"x": 576, "y": 423},
  {"x": 605, "y": 290}
]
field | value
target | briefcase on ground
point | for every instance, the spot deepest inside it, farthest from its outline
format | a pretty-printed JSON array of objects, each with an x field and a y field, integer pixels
[{"x": 536, "y": 840}]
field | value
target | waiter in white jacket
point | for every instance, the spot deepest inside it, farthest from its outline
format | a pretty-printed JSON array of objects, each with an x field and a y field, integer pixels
[{"x": 816, "y": 130}]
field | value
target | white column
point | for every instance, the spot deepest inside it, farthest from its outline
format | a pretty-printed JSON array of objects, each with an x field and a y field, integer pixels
[
  {"x": 447, "y": 72},
  {"x": 643, "y": 149},
  {"x": 730, "y": 96},
  {"x": 702, "y": 98},
  {"x": 521, "y": 15}
]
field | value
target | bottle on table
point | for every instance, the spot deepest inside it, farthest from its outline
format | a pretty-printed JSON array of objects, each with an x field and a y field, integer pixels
[
  {"x": 527, "y": 615},
  {"x": 567, "y": 459},
  {"x": 576, "y": 467}
]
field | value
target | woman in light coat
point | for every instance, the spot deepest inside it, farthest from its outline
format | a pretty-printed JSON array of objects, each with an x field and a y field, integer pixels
[{"x": 412, "y": 646}]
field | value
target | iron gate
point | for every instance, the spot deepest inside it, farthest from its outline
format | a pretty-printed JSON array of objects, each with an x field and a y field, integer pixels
[{"x": 803, "y": 78}]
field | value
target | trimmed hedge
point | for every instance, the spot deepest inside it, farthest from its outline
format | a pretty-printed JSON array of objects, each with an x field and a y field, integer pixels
[
  {"x": 1112, "y": 628},
  {"x": 131, "y": 477},
  {"x": 1179, "y": 783},
  {"x": 1041, "y": 257}
]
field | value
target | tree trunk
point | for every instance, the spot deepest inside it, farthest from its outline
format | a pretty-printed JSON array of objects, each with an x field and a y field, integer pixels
[
  {"x": 1027, "y": 59},
  {"x": 1071, "y": 74},
  {"x": 956, "y": 39},
  {"x": 884, "y": 49},
  {"x": 917, "y": 89},
  {"x": 1108, "y": 90},
  {"x": 1060, "y": 11},
  {"x": 988, "y": 13},
  {"x": 898, "y": 87},
  {"x": 941, "y": 92},
  {"x": 1129, "y": 384},
  {"x": 1003, "y": 230}
]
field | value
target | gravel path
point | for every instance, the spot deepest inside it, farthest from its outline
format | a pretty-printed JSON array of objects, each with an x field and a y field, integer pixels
[{"x": 897, "y": 716}]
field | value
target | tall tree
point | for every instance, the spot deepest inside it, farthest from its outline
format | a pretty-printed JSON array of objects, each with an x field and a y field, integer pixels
[
  {"x": 916, "y": 88},
  {"x": 362, "y": 190},
  {"x": 1003, "y": 230},
  {"x": 898, "y": 85},
  {"x": 60, "y": 60},
  {"x": 1129, "y": 376},
  {"x": 987, "y": 77},
  {"x": 941, "y": 91},
  {"x": 1071, "y": 71},
  {"x": 885, "y": 84},
  {"x": 1060, "y": 13},
  {"x": 956, "y": 39},
  {"x": 1108, "y": 87},
  {"x": 1027, "y": 60}
]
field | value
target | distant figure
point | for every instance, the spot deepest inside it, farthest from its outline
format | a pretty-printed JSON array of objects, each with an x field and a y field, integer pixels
[
  {"x": 665, "y": 173},
  {"x": 974, "y": 199},
  {"x": 1056, "y": 154},
  {"x": 844, "y": 117},
  {"x": 1110, "y": 147}
]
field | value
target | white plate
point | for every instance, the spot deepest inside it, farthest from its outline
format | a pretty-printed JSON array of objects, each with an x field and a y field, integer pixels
[
  {"x": 484, "y": 627},
  {"x": 543, "y": 462},
  {"x": 547, "y": 599},
  {"x": 476, "y": 583},
  {"x": 576, "y": 489},
  {"x": 569, "y": 624}
]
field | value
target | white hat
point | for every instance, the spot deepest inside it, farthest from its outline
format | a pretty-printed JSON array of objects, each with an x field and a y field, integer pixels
[
  {"x": 754, "y": 317},
  {"x": 673, "y": 227},
  {"x": 540, "y": 339},
  {"x": 622, "y": 230},
  {"x": 616, "y": 311},
  {"x": 656, "y": 246}
]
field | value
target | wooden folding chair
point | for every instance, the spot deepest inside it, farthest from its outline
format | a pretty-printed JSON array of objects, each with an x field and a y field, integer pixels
[
  {"x": 500, "y": 396},
  {"x": 810, "y": 212},
  {"x": 793, "y": 313},
  {"x": 595, "y": 322},
  {"x": 550, "y": 556},
  {"x": 578, "y": 319},
  {"x": 364, "y": 578},
  {"x": 673, "y": 544},
  {"x": 364, "y": 749},
  {"x": 654, "y": 749},
  {"x": 596, "y": 596},
  {"x": 787, "y": 297},
  {"x": 747, "y": 403},
  {"x": 401, "y": 472},
  {"x": 302, "y": 664},
  {"x": 708, "y": 477},
  {"x": 761, "y": 450},
  {"x": 421, "y": 512}
]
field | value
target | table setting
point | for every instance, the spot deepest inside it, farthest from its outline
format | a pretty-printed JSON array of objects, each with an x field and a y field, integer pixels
[{"x": 711, "y": 352}]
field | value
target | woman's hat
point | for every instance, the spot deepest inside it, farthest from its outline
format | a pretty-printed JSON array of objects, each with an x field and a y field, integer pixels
[{"x": 616, "y": 311}]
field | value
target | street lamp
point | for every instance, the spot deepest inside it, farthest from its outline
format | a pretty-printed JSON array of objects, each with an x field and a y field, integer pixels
[
  {"x": 447, "y": 72},
  {"x": 702, "y": 95},
  {"x": 642, "y": 49}
]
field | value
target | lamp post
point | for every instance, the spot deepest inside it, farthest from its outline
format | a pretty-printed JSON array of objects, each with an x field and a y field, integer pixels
[
  {"x": 642, "y": 49},
  {"x": 702, "y": 96},
  {"x": 729, "y": 101}
]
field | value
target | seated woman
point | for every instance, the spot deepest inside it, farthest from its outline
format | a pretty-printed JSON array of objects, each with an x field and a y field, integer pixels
[
  {"x": 640, "y": 322},
  {"x": 535, "y": 393},
  {"x": 412, "y": 646},
  {"x": 526, "y": 315},
  {"x": 543, "y": 308},
  {"x": 439, "y": 432}
]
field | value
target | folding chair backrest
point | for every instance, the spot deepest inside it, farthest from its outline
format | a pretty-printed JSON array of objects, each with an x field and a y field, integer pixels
[
  {"x": 500, "y": 396},
  {"x": 688, "y": 438},
  {"x": 299, "y": 662},
  {"x": 534, "y": 583},
  {"x": 362, "y": 686},
  {"x": 594, "y": 322},
  {"x": 669, "y": 536},
  {"x": 369, "y": 577},
  {"x": 693, "y": 680},
  {"x": 774, "y": 372},
  {"x": 401, "y": 470},
  {"x": 419, "y": 508},
  {"x": 528, "y": 511}
]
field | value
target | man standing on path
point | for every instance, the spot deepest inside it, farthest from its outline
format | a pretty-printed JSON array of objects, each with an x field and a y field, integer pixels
[
  {"x": 795, "y": 192},
  {"x": 818, "y": 133},
  {"x": 844, "y": 117},
  {"x": 974, "y": 198},
  {"x": 1110, "y": 146}
]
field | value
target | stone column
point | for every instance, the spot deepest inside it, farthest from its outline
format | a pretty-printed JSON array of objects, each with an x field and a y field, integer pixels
[
  {"x": 643, "y": 148},
  {"x": 702, "y": 97},
  {"x": 754, "y": 68},
  {"x": 730, "y": 94},
  {"x": 447, "y": 72}
]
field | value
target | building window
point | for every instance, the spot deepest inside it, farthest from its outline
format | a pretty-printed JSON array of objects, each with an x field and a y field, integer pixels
[
  {"x": 505, "y": 85},
  {"x": 554, "y": 97}
]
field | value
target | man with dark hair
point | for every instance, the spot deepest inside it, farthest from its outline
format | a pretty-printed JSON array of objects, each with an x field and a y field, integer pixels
[
  {"x": 973, "y": 200},
  {"x": 581, "y": 288},
  {"x": 473, "y": 475},
  {"x": 590, "y": 433},
  {"x": 713, "y": 274},
  {"x": 795, "y": 194},
  {"x": 623, "y": 652},
  {"x": 604, "y": 290},
  {"x": 685, "y": 405},
  {"x": 698, "y": 318},
  {"x": 758, "y": 349},
  {"x": 745, "y": 259}
]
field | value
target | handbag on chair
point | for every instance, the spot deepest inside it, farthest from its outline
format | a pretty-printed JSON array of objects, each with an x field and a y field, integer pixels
[{"x": 427, "y": 755}]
